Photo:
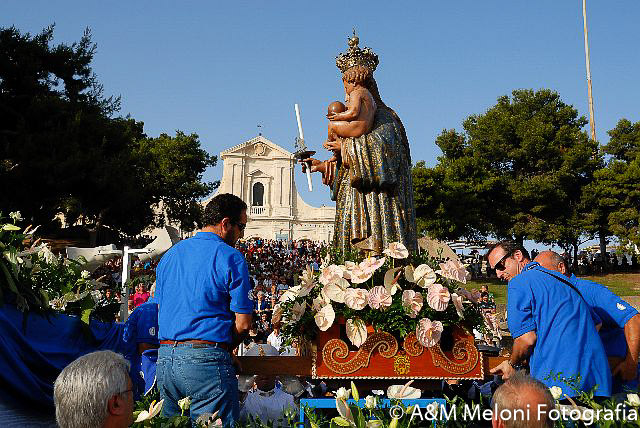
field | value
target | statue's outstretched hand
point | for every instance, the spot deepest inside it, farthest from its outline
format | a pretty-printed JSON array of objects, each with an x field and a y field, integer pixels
[{"x": 315, "y": 164}]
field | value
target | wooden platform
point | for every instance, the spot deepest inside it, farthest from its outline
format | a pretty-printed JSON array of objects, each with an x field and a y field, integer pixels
[{"x": 301, "y": 366}]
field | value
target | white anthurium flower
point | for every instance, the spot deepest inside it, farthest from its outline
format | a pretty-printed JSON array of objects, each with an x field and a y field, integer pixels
[
  {"x": 331, "y": 274},
  {"x": 424, "y": 276},
  {"x": 325, "y": 317},
  {"x": 379, "y": 298},
  {"x": 153, "y": 411},
  {"x": 15, "y": 216},
  {"x": 356, "y": 331},
  {"x": 336, "y": 291},
  {"x": 342, "y": 393},
  {"x": 360, "y": 275},
  {"x": 370, "y": 402},
  {"x": 347, "y": 268},
  {"x": 438, "y": 297},
  {"x": 397, "y": 250},
  {"x": 453, "y": 269},
  {"x": 391, "y": 280},
  {"x": 457, "y": 303},
  {"x": 371, "y": 264},
  {"x": 297, "y": 310},
  {"x": 428, "y": 332},
  {"x": 556, "y": 392},
  {"x": 403, "y": 392},
  {"x": 184, "y": 404},
  {"x": 633, "y": 400},
  {"x": 412, "y": 302},
  {"x": 356, "y": 298}
]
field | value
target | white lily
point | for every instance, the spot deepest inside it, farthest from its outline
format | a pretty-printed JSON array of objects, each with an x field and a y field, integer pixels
[{"x": 153, "y": 411}]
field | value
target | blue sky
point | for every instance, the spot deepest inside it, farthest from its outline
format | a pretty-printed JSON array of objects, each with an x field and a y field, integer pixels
[{"x": 219, "y": 69}]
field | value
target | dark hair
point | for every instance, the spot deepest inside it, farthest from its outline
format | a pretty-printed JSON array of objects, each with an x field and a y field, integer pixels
[
  {"x": 221, "y": 206},
  {"x": 509, "y": 247}
]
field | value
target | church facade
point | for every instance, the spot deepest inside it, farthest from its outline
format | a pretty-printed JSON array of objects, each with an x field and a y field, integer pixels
[{"x": 261, "y": 173}]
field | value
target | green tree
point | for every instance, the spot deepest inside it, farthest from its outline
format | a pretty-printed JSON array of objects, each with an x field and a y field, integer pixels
[
  {"x": 516, "y": 171},
  {"x": 61, "y": 149},
  {"x": 612, "y": 201}
]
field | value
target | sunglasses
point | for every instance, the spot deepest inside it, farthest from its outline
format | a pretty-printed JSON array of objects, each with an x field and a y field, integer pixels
[
  {"x": 241, "y": 226},
  {"x": 500, "y": 265}
]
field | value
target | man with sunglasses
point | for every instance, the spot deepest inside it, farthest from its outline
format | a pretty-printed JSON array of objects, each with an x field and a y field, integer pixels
[
  {"x": 552, "y": 326},
  {"x": 204, "y": 311}
]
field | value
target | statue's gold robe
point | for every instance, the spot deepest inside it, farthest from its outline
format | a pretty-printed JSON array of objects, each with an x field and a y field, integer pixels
[{"x": 373, "y": 190}]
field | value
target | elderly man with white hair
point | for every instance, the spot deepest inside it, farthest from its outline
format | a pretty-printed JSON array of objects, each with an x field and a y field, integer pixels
[{"x": 94, "y": 391}]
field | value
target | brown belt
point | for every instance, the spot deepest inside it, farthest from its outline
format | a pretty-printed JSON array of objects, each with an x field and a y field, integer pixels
[{"x": 222, "y": 345}]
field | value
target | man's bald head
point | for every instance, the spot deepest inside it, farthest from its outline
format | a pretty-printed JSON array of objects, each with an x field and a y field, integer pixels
[{"x": 553, "y": 261}]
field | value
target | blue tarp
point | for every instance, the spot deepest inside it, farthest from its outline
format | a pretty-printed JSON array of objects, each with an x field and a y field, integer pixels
[{"x": 35, "y": 348}]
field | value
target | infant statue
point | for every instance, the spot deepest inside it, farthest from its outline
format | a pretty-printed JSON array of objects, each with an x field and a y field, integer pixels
[{"x": 355, "y": 119}]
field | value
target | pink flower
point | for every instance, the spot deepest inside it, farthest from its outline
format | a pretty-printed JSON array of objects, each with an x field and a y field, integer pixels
[
  {"x": 331, "y": 274},
  {"x": 379, "y": 297},
  {"x": 347, "y": 268},
  {"x": 438, "y": 297},
  {"x": 428, "y": 332},
  {"x": 455, "y": 270},
  {"x": 397, "y": 250},
  {"x": 359, "y": 275},
  {"x": 355, "y": 298},
  {"x": 371, "y": 264},
  {"x": 412, "y": 302}
]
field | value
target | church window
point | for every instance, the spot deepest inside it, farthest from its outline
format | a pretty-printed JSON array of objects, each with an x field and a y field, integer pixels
[{"x": 258, "y": 195}]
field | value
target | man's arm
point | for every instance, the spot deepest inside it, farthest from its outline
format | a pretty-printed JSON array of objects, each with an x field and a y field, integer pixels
[
  {"x": 627, "y": 369},
  {"x": 240, "y": 329},
  {"x": 522, "y": 348}
]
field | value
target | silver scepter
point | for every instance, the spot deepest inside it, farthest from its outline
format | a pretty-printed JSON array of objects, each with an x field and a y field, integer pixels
[{"x": 302, "y": 152}]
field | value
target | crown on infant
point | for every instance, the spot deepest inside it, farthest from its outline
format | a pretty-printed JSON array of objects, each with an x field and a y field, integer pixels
[{"x": 356, "y": 56}]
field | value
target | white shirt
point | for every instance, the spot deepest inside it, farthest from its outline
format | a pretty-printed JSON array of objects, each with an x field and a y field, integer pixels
[
  {"x": 268, "y": 406},
  {"x": 275, "y": 340}
]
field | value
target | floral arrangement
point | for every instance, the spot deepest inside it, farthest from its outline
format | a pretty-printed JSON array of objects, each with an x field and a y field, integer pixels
[
  {"x": 395, "y": 293},
  {"x": 35, "y": 279}
]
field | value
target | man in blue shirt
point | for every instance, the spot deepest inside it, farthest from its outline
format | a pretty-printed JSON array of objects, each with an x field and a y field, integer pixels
[
  {"x": 141, "y": 334},
  {"x": 551, "y": 324},
  {"x": 204, "y": 311},
  {"x": 620, "y": 332}
]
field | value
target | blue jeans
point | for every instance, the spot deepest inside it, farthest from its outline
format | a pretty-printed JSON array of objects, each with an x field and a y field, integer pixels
[{"x": 204, "y": 373}]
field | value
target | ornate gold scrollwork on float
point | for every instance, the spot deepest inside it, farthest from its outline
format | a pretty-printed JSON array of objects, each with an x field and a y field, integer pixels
[
  {"x": 336, "y": 349},
  {"x": 464, "y": 350}
]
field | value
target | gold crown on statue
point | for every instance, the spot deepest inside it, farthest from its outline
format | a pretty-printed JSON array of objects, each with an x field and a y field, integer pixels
[{"x": 356, "y": 56}]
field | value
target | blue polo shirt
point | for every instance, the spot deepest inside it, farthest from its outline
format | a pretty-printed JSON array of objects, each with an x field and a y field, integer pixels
[
  {"x": 200, "y": 283},
  {"x": 613, "y": 311},
  {"x": 567, "y": 340},
  {"x": 142, "y": 324}
]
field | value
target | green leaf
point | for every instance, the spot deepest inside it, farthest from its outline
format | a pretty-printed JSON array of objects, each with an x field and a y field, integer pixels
[
  {"x": 10, "y": 227},
  {"x": 339, "y": 420},
  {"x": 86, "y": 314},
  {"x": 394, "y": 423},
  {"x": 354, "y": 392}
]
